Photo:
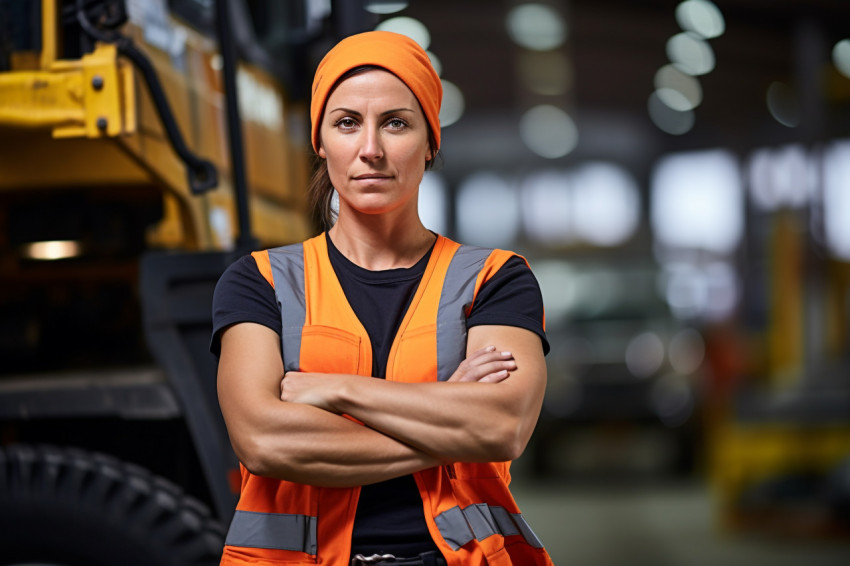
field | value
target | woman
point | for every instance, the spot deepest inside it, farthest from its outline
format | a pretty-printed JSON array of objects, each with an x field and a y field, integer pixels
[{"x": 411, "y": 468}]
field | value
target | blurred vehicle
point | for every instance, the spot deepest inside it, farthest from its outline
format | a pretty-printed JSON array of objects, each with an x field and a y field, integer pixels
[
  {"x": 623, "y": 392},
  {"x": 114, "y": 228}
]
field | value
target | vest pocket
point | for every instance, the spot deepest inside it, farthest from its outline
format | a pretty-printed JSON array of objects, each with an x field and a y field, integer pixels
[
  {"x": 416, "y": 357},
  {"x": 325, "y": 349}
]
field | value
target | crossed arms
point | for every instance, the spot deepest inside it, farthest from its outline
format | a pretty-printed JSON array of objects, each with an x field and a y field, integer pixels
[{"x": 293, "y": 428}]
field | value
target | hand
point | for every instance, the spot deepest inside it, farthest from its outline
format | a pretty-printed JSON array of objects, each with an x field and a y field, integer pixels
[
  {"x": 485, "y": 366},
  {"x": 307, "y": 388}
]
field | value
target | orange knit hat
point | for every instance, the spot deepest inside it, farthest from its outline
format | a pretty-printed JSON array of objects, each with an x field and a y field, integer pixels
[{"x": 394, "y": 52}]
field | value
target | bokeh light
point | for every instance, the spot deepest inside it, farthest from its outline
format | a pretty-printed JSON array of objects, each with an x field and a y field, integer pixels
[
  {"x": 548, "y": 131},
  {"x": 678, "y": 90},
  {"x": 433, "y": 205},
  {"x": 690, "y": 53},
  {"x": 667, "y": 119},
  {"x": 547, "y": 207},
  {"x": 536, "y": 26},
  {"x": 382, "y": 7},
  {"x": 607, "y": 204},
  {"x": 487, "y": 211},
  {"x": 783, "y": 177},
  {"x": 783, "y": 105},
  {"x": 453, "y": 104},
  {"x": 836, "y": 198},
  {"x": 412, "y": 28},
  {"x": 841, "y": 57},
  {"x": 697, "y": 201},
  {"x": 644, "y": 354},
  {"x": 686, "y": 351},
  {"x": 701, "y": 17}
]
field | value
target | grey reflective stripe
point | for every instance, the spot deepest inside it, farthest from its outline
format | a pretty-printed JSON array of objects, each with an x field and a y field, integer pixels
[
  {"x": 287, "y": 264},
  {"x": 459, "y": 526},
  {"x": 273, "y": 530},
  {"x": 455, "y": 298},
  {"x": 526, "y": 531}
]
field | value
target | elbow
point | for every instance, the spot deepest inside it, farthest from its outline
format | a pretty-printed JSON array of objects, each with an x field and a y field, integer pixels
[
  {"x": 514, "y": 446},
  {"x": 508, "y": 443},
  {"x": 251, "y": 453}
]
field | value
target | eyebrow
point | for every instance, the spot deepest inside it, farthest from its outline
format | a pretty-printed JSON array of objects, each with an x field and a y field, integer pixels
[{"x": 385, "y": 113}]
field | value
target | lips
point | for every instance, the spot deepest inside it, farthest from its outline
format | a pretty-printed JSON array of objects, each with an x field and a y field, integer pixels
[{"x": 371, "y": 176}]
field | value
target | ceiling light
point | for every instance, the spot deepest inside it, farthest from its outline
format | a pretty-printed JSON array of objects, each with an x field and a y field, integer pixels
[{"x": 50, "y": 250}]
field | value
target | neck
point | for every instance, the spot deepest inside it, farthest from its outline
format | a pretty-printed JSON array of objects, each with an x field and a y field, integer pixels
[{"x": 376, "y": 244}]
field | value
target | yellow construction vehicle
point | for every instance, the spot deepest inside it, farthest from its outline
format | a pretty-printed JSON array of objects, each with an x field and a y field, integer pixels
[{"x": 144, "y": 145}]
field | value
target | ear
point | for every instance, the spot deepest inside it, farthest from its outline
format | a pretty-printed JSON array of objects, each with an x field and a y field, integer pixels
[{"x": 322, "y": 152}]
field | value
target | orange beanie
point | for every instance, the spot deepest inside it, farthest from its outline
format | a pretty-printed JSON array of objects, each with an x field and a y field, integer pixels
[{"x": 394, "y": 52}]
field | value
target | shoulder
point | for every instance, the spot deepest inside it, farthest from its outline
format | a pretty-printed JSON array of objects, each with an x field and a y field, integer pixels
[
  {"x": 244, "y": 270},
  {"x": 243, "y": 294},
  {"x": 509, "y": 295}
]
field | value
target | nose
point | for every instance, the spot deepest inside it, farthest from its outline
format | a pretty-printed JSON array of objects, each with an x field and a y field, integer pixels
[{"x": 372, "y": 147}]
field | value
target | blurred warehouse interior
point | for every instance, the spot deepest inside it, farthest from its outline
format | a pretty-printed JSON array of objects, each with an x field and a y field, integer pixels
[
  {"x": 678, "y": 175},
  {"x": 676, "y": 172}
]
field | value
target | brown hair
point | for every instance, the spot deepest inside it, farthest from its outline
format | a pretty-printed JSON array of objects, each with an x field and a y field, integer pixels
[{"x": 320, "y": 191}]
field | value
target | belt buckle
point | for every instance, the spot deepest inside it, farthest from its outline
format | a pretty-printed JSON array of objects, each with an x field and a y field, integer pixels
[{"x": 360, "y": 560}]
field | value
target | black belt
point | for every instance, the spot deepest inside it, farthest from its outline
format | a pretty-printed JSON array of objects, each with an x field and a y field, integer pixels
[{"x": 432, "y": 558}]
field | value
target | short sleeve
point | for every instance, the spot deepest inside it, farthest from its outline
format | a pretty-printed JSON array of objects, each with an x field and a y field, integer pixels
[
  {"x": 242, "y": 294},
  {"x": 511, "y": 297}
]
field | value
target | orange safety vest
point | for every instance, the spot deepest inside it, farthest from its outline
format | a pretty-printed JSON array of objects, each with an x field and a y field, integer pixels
[{"x": 469, "y": 510}]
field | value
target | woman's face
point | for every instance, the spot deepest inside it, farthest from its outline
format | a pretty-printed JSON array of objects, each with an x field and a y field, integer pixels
[{"x": 375, "y": 139}]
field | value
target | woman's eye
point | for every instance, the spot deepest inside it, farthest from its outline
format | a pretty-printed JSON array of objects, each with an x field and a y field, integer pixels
[
  {"x": 396, "y": 123},
  {"x": 346, "y": 123}
]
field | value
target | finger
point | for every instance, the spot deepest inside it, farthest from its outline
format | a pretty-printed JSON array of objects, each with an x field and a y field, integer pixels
[
  {"x": 495, "y": 377},
  {"x": 480, "y": 363},
  {"x": 481, "y": 352},
  {"x": 480, "y": 371}
]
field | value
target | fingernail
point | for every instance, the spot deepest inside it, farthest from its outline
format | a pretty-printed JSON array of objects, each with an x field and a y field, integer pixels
[{"x": 506, "y": 354}]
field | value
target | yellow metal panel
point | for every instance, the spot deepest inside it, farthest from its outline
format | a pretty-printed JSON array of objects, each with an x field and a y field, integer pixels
[
  {"x": 91, "y": 97},
  {"x": 32, "y": 159},
  {"x": 41, "y": 99}
]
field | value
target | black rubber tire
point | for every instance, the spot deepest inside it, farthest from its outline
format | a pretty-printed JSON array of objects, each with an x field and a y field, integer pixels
[{"x": 67, "y": 507}]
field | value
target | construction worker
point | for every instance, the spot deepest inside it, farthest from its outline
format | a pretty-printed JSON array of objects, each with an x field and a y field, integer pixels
[{"x": 377, "y": 379}]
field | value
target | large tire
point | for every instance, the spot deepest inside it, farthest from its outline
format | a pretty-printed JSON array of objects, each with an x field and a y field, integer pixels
[{"x": 66, "y": 507}]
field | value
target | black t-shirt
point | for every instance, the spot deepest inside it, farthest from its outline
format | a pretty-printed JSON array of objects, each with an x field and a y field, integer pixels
[{"x": 390, "y": 516}]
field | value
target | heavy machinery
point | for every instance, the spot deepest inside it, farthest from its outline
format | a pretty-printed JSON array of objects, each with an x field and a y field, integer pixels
[{"x": 124, "y": 194}]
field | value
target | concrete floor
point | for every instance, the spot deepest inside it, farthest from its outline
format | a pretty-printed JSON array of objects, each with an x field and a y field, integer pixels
[{"x": 652, "y": 525}]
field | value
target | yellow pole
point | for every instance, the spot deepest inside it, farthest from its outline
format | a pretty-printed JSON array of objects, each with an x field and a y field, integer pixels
[{"x": 49, "y": 31}]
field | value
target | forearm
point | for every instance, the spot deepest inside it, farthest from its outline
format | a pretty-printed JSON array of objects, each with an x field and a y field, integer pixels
[
  {"x": 296, "y": 441},
  {"x": 473, "y": 422},
  {"x": 308, "y": 445}
]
